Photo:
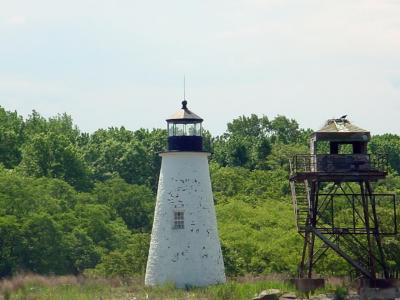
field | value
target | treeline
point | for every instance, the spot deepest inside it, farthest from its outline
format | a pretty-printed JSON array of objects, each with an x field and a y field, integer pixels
[{"x": 73, "y": 202}]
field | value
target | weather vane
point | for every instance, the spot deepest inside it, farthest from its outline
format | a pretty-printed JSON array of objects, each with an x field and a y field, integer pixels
[{"x": 184, "y": 87}]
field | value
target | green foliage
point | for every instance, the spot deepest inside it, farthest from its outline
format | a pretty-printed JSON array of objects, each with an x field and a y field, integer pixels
[
  {"x": 60, "y": 125},
  {"x": 133, "y": 203},
  {"x": 246, "y": 143},
  {"x": 11, "y": 138},
  {"x": 48, "y": 227},
  {"x": 341, "y": 293},
  {"x": 10, "y": 241},
  {"x": 127, "y": 261},
  {"x": 21, "y": 196},
  {"x": 387, "y": 144},
  {"x": 282, "y": 153},
  {"x": 284, "y": 130},
  {"x": 131, "y": 155},
  {"x": 73, "y": 202},
  {"x": 82, "y": 251},
  {"x": 255, "y": 240},
  {"x": 254, "y": 185},
  {"x": 249, "y": 141},
  {"x": 43, "y": 247},
  {"x": 52, "y": 155}
]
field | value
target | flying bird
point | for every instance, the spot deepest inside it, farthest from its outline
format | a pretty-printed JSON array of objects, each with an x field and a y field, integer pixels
[{"x": 343, "y": 117}]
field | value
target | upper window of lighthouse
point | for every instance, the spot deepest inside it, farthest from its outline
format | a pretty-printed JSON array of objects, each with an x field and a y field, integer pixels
[
  {"x": 188, "y": 129},
  {"x": 179, "y": 222}
]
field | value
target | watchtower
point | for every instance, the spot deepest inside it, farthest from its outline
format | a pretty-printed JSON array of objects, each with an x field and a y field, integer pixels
[{"x": 334, "y": 201}]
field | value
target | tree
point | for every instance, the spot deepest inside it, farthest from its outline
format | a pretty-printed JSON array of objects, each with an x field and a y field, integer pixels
[
  {"x": 388, "y": 145},
  {"x": 281, "y": 154},
  {"x": 43, "y": 247},
  {"x": 73, "y": 202},
  {"x": 10, "y": 245},
  {"x": 238, "y": 152},
  {"x": 81, "y": 250},
  {"x": 154, "y": 142},
  {"x": 247, "y": 143},
  {"x": 11, "y": 138},
  {"x": 131, "y": 155},
  {"x": 53, "y": 155},
  {"x": 21, "y": 196},
  {"x": 133, "y": 165},
  {"x": 128, "y": 261},
  {"x": 133, "y": 203},
  {"x": 102, "y": 225},
  {"x": 62, "y": 124},
  {"x": 285, "y": 130},
  {"x": 253, "y": 126}
]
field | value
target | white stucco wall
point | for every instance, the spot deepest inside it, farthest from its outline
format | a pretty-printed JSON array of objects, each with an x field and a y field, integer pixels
[{"x": 190, "y": 256}]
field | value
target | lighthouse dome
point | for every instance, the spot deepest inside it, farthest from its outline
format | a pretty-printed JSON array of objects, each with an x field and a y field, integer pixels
[{"x": 184, "y": 115}]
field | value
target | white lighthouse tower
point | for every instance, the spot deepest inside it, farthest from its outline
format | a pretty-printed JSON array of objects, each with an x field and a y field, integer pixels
[{"x": 185, "y": 248}]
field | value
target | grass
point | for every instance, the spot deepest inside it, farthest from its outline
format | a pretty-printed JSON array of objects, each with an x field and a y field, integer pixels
[
  {"x": 32, "y": 287},
  {"x": 37, "y": 287}
]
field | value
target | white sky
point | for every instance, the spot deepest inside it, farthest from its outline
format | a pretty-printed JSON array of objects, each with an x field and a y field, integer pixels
[{"x": 121, "y": 62}]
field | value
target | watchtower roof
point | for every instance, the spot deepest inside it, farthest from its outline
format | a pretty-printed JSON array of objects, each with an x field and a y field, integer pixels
[
  {"x": 341, "y": 130},
  {"x": 184, "y": 115}
]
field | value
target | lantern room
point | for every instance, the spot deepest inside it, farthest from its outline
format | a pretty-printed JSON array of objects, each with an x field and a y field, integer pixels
[{"x": 185, "y": 130}]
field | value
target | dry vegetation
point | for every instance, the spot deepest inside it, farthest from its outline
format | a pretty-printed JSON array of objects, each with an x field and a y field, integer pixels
[
  {"x": 33, "y": 286},
  {"x": 37, "y": 287}
]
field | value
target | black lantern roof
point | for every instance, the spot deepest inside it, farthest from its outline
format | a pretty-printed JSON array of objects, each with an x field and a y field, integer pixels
[{"x": 184, "y": 116}]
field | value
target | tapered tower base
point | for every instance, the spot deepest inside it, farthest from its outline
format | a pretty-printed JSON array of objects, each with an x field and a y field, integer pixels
[{"x": 185, "y": 248}]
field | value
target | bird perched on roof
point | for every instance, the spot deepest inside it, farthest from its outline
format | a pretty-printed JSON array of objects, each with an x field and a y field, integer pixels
[{"x": 343, "y": 117}]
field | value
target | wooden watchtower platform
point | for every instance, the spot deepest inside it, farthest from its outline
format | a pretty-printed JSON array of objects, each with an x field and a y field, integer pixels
[{"x": 333, "y": 200}]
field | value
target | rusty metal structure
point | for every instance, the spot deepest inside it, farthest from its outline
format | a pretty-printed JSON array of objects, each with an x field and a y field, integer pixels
[{"x": 334, "y": 202}]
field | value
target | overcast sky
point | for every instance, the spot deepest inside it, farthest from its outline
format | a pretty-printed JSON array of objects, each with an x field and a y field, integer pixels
[{"x": 121, "y": 62}]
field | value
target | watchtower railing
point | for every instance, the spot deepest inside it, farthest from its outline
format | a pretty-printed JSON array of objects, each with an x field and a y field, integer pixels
[{"x": 338, "y": 163}]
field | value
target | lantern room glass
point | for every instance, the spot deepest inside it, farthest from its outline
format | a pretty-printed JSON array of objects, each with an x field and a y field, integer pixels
[{"x": 184, "y": 129}]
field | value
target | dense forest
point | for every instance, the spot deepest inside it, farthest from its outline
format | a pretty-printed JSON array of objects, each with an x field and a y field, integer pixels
[{"x": 73, "y": 202}]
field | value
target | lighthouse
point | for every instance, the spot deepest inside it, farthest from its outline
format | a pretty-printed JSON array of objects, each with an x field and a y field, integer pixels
[{"x": 184, "y": 248}]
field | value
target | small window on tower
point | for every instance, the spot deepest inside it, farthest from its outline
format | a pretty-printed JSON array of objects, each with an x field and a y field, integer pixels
[{"x": 179, "y": 222}]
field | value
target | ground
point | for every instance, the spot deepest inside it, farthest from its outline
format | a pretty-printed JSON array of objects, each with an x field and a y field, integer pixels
[{"x": 35, "y": 287}]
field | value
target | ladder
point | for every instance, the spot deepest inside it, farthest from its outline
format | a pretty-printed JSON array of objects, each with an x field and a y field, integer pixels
[{"x": 301, "y": 203}]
